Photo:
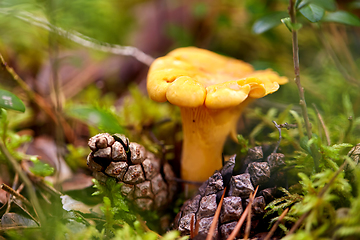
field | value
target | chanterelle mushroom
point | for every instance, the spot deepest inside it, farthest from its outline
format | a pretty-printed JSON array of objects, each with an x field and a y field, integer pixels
[{"x": 211, "y": 90}]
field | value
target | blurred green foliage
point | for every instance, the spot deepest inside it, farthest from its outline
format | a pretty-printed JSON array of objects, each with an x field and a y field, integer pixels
[
  {"x": 104, "y": 20},
  {"x": 14, "y": 142},
  {"x": 101, "y": 118},
  {"x": 115, "y": 208},
  {"x": 41, "y": 169}
]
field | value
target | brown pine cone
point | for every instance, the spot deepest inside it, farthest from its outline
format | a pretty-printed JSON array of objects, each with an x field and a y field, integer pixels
[
  {"x": 145, "y": 181},
  {"x": 200, "y": 210},
  {"x": 354, "y": 153}
]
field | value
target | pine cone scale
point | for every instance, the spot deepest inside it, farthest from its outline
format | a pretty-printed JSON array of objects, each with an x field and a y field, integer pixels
[{"x": 138, "y": 170}]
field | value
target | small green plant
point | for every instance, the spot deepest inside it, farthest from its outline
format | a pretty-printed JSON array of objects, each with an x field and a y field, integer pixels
[
  {"x": 40, "y": 169},
  {"x": 278, "y": 205},
  {"x": 121, "y": 220},
  {"x": 244, "y": 145},
  {"x": 10, "y": 101},
  {"x": 116, "y": 208},
  {"x": 12, "y": 141},
  {"x": 316, "y": 165},
  {"x": 314, "y": 11},
  {"x": 348, "y": 221}
]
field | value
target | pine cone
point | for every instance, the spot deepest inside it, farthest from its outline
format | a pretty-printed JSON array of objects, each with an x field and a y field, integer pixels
[
  {"x": 200, "y": 210},
  {"x": 145, "y": 181},
  {"x": 354, "y": 153}
]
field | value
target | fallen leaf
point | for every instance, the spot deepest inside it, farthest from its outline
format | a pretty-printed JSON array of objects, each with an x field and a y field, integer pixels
[
  {"x": 70, "y": 204},
  {"x": 45, "y": 147},
  {"x": 14, "y": 219}
]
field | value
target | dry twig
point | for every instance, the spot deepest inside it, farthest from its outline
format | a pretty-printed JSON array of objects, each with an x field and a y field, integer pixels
[
  {"x": 248, "y": 222},
  {"x": 3, "y": 229},
  {"x": 326, "y": 131},
  {"x": 82, "y": 39},
  {"x": 302, "y": 103},
  {"x": 192, "y": 232},
  {"x": 10, "y": 197},
  {"x": 38, "y": 100},
  {"x": 272, "y": 230},
  {"x": 28, "y": 213}
]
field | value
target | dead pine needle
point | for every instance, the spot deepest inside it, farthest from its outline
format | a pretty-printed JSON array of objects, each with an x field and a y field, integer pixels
[
  {"x": 248, "y": 222},
  {"x": 192, "y": 232},
  {"x": 28, "y": 213},
  {"x": 274, "y": 227},
  {"x": 242, "y": 218},
  {"x": 216, "y": 217}
]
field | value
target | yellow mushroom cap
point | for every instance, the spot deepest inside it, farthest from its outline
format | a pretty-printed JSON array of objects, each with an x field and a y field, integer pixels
[
  {"x": 211, "y": 90},
  {"x": 192, "y": 77}
]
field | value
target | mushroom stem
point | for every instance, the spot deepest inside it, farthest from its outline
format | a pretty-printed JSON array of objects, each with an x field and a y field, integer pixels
[{"x": 205, "y": 131}]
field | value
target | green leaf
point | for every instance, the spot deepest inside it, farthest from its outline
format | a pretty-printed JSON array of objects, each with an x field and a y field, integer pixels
[
  {"x": 297, "y": 2},
  {"x": 8, "y": 100},
  {"x": 3, "y": 116},
  {"x": 268, "y": 22},
  {"x": 100, "y": 118},
  {"x": 305, "y": 143},
  {"x": 41, "y": 169},
  {"x": 342, "y": 17},
  {"x": 328, "y": 5},
  {"x": 287, "y": 22},
  {"x": 313, "y": 12},
  {"x": 244, "y": 143},
  {"x": 342, "y": 146}
]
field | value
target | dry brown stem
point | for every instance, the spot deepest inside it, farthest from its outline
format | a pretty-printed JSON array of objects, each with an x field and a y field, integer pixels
[
  {"x": 15, "y": 193},
  {"x": 302, "y": 103},
  {"x": 25, "y": 179},
  {"x": 82, "y": 39},
  {"x": 248, "y": 222},
  {"x": 274, "y": 227}
]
